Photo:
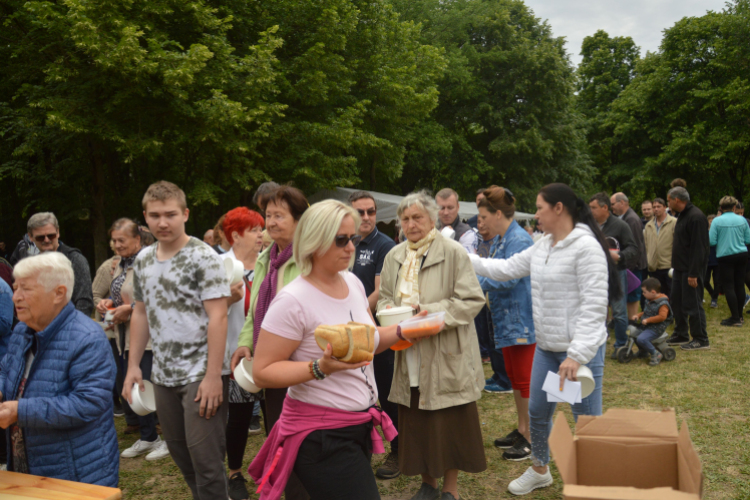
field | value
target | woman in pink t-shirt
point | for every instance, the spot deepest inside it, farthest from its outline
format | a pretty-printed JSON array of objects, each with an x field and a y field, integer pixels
[{"x": 287, "y": 355}]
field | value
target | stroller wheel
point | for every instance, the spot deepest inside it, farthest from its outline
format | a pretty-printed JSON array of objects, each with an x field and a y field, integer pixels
[
  {"x": 669, "y": 354},
  {"x": 623, "y": 356}
]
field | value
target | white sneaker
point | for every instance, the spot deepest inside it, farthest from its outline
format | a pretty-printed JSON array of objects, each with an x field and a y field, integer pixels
[
  {"x": 160, "y": 451},
  {"x": 529, "y": 481},
  {"x": 140, "y": 447}
]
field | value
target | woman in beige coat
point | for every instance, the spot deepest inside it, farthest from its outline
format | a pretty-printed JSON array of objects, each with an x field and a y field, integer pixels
[{"x": 437, "y": 381}]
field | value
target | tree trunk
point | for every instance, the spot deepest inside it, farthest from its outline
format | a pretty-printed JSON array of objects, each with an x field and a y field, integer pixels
[
  {"x": 372, "y": 174},
  {"x": 98, "y": 217}
]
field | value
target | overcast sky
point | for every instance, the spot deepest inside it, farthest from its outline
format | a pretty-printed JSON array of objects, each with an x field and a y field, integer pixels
[{"x": 643, "y": 20}]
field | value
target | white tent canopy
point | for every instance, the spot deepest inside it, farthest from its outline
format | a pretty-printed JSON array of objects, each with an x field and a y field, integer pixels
[{"x": 388, "y": 203}]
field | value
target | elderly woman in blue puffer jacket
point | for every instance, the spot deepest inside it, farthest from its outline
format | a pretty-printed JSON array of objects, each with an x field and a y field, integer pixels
[{"x": 56, "y": 381}]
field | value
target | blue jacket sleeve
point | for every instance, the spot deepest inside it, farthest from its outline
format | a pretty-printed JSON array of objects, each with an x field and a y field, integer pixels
[
  {"x": 91, "y": 381},
  {"x": 747, "y": 234},
  {"x": 713, "y": 234},
  {"x": 6, "y": 316},
  {"x": 512, "y": 247}
]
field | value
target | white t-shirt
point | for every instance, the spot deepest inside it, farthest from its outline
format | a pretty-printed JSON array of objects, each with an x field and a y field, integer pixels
[
  {"x": 295, "y": 313},
  {"x": 236, "y": 312},
  {"x": 174, "y": 291}
]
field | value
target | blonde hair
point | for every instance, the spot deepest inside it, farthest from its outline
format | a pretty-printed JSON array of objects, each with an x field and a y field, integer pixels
[
  {"x": 728, "y": 203},
  {"x": 423, "y": 201},
  {"x": 163, "y": 191},
  {"x": 51, "y": 269},
  {"x": 317, "y": 230}
]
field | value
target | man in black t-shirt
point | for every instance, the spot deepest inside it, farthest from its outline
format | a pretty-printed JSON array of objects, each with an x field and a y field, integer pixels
[{"x": 371, "y": 253}]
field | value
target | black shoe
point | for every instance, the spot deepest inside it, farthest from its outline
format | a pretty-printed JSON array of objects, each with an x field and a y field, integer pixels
[
  {"x": 447, "y": 495},
  {"x": 427, "y": 492},
  {"x": 119, "y": 412},
  {"x": 510, "y": 440},
  {"x": 389, "y": 469},
  {"x": 237, "y": 488},
  {"x": 732, "y": 322},
  {"x": 254, "y": 426},
  {"x": 520, "y": 451},
  {"x": 677, "y": 340},
  {"x": 695, "y": 345}
]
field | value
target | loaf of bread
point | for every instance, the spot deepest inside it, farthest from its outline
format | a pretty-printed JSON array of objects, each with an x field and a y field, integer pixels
[{"x": 350, "y": 343}]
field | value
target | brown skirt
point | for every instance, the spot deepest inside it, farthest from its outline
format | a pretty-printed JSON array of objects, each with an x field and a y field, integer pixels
[{"x": 432, "y": 442}]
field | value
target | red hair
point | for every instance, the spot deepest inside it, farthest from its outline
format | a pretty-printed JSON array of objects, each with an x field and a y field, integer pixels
[{"x": 239, "y": 220}]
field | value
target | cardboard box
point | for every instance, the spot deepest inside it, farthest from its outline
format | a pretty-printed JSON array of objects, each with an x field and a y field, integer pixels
[{"x": 626, "y": 455}]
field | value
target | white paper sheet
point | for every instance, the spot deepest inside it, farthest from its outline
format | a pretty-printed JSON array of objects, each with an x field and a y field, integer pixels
[{"x": 571, "y": 392}]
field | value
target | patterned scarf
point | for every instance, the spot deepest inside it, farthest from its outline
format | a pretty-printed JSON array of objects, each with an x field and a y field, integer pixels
[
  {"x": 267, "y": 290},
  {"x": 116, "y": 287},
  {"x": 409, "y": 288}
]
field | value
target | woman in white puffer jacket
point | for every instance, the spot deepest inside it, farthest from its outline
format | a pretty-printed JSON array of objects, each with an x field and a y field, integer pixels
[{"x": 572, "y": 279}]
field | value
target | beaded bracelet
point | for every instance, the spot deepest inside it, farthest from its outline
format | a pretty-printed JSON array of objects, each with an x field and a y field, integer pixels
[{"x": 317, "y": 372}]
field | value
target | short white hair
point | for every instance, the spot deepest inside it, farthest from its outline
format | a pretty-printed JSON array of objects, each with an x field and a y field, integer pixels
[
  {"x": 52, "y": 269},
  {"x": 423, "y": 200},
  {"x": 317, "y": 229}
]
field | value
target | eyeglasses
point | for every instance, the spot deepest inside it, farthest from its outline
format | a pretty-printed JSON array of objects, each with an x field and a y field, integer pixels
[
  {"x": 39, "y": 238},
  {"x": 508, "y": 192},
  {"x": 370, "y": 212},
  {"x": 342, "y": 240}
]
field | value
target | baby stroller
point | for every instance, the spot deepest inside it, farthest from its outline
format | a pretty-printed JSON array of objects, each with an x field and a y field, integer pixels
[{"x": 626, "y": 353}]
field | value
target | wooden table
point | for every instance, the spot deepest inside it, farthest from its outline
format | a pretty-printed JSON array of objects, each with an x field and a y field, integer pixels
[{"x": 15, "y": 486}]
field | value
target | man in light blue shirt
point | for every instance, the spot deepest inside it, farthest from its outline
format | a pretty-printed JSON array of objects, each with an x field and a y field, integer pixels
[{"x": 731, "y": 235}]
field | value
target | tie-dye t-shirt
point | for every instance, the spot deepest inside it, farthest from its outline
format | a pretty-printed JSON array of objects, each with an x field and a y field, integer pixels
[{"x": 173, "y": 292}]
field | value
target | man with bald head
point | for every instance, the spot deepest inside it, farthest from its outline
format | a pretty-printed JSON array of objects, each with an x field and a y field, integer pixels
[{"x": 621, "y": 208}]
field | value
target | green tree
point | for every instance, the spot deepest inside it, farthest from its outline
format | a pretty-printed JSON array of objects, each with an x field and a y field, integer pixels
[
  {"x": 606, "y": 69},
  {"x": 102, "y": 98},
  {"x": 506, "y": 112},
  {"x": 98, "y": 100},
  {"x": 686, "y": 113}
]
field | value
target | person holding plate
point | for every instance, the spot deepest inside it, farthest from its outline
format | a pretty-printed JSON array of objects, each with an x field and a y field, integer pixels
[{"x": 437, "y": 381}]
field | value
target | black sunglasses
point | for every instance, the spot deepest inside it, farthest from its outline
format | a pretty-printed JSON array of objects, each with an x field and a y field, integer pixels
[
  {"x": 342, "y": 240},
  {"x": 370, "y": 212},
  {"x": 508, "y": 192},
  {"x": 39, "y": 238}
]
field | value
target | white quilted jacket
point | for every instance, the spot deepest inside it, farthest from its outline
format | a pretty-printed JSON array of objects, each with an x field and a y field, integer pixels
[{"x": 569, "y": 290}]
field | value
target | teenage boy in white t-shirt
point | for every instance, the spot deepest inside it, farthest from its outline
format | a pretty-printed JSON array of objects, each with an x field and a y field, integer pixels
[{"x": 180, "y": 293}]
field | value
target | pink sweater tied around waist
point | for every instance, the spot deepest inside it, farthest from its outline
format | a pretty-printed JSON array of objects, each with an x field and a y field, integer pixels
[{"x": 274, "y": 463}]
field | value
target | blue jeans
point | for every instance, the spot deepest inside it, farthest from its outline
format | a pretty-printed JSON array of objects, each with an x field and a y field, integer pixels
[
  {"x": 541, "y": 412},
  {"x": 499, "y": 375},
  {"x": 482, "y": 323},
  {"x": 620, "y": 312},
  {"x": 644, "y": 341}
]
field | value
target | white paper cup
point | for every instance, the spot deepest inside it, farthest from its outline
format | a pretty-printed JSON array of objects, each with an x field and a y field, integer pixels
[
  {"x": 586, "y": 378},
  {"x": 109, "y": 316},
  {"x": 448, "y": 232},
  {"x": 235, "y": 270},
  {"x": 243, "y": 375},
  {"x": 143, "y": 402},
  {"x": 394, "y": 315}
]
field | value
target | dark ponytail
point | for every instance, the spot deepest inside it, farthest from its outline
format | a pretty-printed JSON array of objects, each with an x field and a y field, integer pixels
[{"x": 581, "y": 212}]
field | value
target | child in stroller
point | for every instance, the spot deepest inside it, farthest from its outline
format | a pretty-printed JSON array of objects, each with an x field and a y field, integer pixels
[{"x": 649, "y": 328}]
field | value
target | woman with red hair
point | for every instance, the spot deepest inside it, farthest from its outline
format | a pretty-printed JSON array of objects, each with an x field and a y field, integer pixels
[{"x": 242, "y": 228}]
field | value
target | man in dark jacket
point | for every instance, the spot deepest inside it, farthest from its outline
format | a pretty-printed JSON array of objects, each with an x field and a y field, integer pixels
[
  {"x": 44, "y": 231},
  {"x": 56, "y": 381},
  {"x": 447, "y": 200},
  {"x": 624, "y": 251},
  {"x": 690, "y": 249},
  {"x": 639, "y": 265}
]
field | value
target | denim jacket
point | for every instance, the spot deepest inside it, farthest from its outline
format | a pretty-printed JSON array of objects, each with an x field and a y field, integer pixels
[{"x": 510, "y": 301}]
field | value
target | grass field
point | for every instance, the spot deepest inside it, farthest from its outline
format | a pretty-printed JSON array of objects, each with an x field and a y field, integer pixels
[{"x": 708, "y": 389}]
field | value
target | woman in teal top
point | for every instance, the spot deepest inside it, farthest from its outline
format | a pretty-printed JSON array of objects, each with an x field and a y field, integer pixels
[{"x": 731, "y": 235}]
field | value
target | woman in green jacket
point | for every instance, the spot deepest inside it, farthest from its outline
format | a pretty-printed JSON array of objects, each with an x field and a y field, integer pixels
[{"x": 274, "y": 269}]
